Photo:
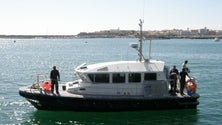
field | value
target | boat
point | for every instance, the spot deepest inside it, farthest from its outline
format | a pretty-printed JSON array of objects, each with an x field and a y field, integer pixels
[
  {"x": 141, "y": 84},
  {"x": 216, "y": 39}
]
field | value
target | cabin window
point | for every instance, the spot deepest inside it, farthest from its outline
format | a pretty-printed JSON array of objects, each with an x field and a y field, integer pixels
[
  {"x": 150, "y": 76},
  {"x": 99, "y": 78},
  {"x": 91, "y": 77},
  {"x": 83, "y": 77},
  {"x": 134, "y": 77},
  {"x": 118, "y": 77}
]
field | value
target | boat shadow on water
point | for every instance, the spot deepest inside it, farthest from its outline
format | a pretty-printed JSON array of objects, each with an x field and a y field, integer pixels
[{"x": 189, "y": 116}]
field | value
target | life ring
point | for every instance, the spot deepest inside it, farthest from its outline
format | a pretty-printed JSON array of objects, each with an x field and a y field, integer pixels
[
  {"x": 190, "y": 85},
  {"x": 46, "y": 85}
]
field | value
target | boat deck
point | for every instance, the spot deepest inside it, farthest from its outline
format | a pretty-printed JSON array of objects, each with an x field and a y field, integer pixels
[{"x": 64, "y": 93}]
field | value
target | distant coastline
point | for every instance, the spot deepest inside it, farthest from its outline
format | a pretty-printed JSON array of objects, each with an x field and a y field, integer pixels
[
  {"x": 37, "y": 36},
  {"x": 101, "y": 36},
  {"x": 117, "y": 33}
]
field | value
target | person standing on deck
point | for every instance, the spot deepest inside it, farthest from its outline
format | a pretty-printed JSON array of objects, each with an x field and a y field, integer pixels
[
  {"x": 183, "y": 75},
  {"x": 184, "y": 66},
  {"x": 54, "y": 77},
  {"x": 173, "y": 75}
]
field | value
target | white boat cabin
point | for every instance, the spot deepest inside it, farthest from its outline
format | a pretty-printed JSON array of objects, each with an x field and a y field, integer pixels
[{"x": 126, "y": 78}]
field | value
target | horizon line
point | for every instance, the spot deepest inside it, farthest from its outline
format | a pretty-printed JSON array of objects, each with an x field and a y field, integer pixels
[{"x": 188, "y": 29}]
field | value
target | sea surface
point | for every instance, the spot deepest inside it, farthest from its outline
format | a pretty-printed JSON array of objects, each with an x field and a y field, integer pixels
[{"x": 21, "y": 60}]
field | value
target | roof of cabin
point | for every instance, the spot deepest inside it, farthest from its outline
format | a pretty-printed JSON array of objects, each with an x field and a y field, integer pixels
[{"x": 123, "y": 66}]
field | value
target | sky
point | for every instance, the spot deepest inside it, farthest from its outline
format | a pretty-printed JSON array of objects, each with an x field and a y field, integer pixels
[{"x": 70, "y": 17}]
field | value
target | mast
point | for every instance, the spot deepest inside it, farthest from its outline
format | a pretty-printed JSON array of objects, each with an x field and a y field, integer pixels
[
  {"x": 139, "y": 47},
  {"x": 140, "y": 41}
]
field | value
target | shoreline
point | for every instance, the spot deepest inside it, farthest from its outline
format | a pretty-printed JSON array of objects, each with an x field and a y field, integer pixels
[
  {"x": 100, "y": 36},
  {"x": 37, "y": 36}
]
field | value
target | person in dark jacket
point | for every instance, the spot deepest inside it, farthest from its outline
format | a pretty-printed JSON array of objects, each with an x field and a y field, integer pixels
[
  {"x": 183, "y": 75},
  {"x": 173, "y": 76},
  {"x": 55, "y": 77}
]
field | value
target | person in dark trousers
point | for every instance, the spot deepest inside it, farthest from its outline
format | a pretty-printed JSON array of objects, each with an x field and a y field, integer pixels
[
  {"x": 55, "y": 77},
  {"x": 173, "y": 76},
  {"x": 183, "y": 75}
]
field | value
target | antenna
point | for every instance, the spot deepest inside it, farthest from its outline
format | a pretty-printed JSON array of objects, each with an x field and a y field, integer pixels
[{"x": 140, "y": 40}]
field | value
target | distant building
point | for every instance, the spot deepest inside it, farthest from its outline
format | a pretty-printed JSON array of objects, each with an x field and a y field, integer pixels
[
  {"x": 204, "y": 31},
  {"x": 212, "y": 32},
  {"x": 184, "y": 33},
  {"x": 194, "y": 32},
  {"x": 219, "y": 32},
  {"x": 175, "y": 32}
]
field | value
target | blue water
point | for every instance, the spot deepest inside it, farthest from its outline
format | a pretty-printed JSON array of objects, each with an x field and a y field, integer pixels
[{"x": 21, "y": 60}]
